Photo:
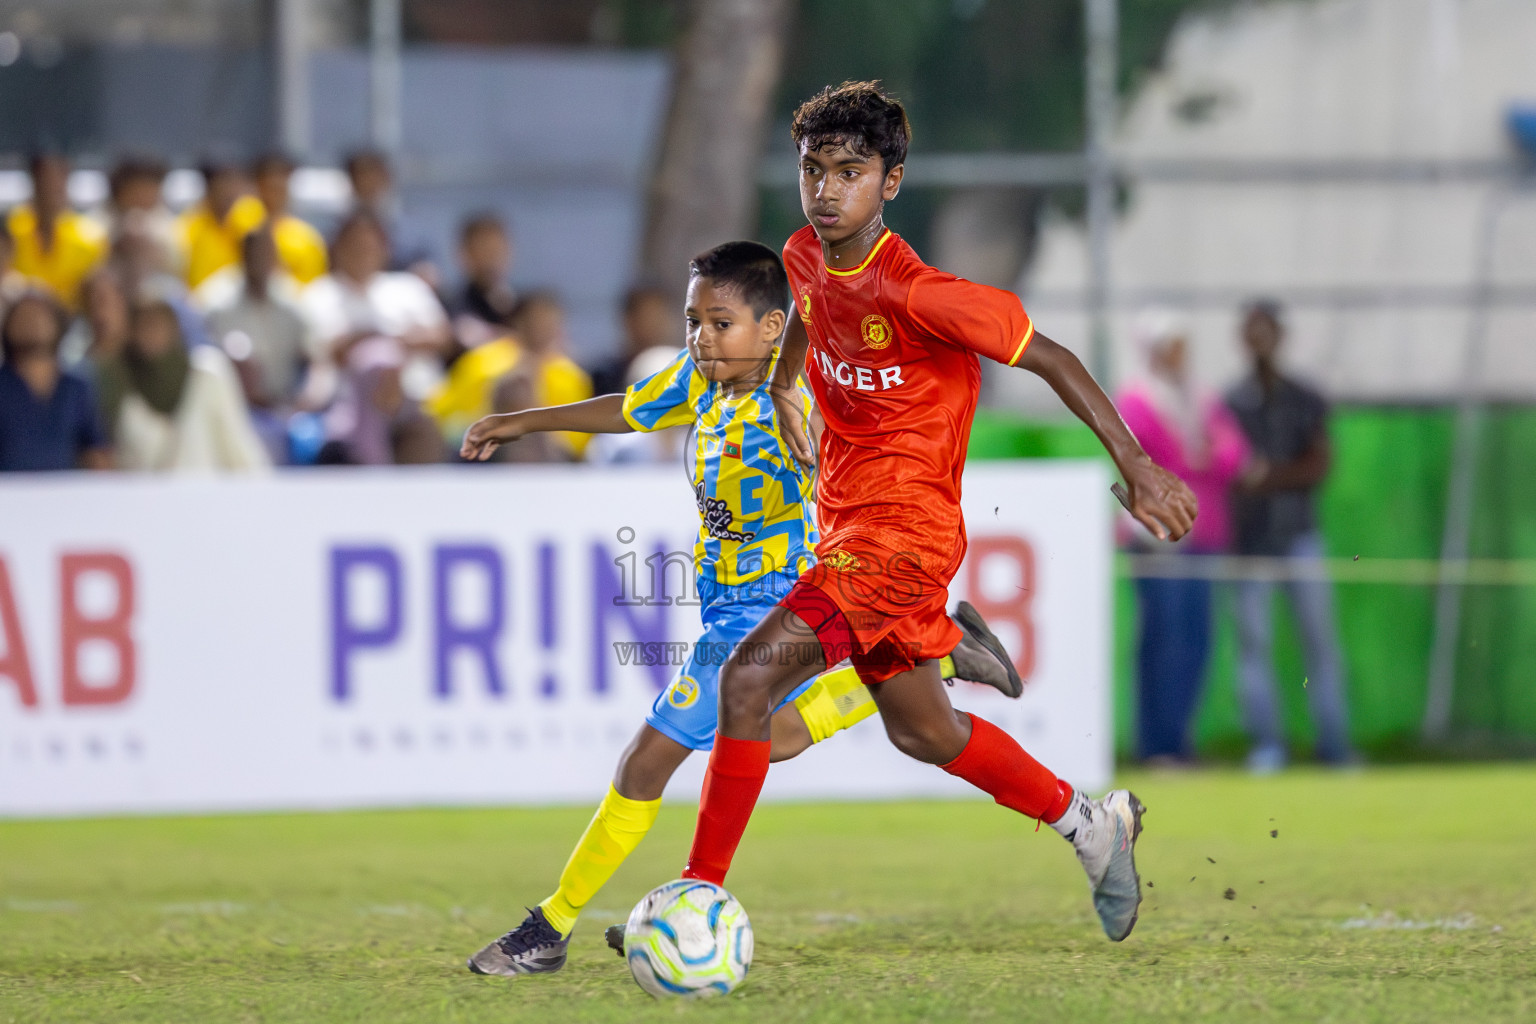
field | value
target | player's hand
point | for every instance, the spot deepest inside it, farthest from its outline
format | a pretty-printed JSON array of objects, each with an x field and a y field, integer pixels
[
  {"x": 485, "y": 435},
  {"x": 789, "y": 404},
  {"x": 1158, "y": 500}
]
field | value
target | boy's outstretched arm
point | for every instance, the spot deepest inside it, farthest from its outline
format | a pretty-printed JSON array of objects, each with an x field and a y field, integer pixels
[
  {"x": 1158, "y": 499},
  {"x": 786, "y": 395},
  {"x": 601, "y": 415}
]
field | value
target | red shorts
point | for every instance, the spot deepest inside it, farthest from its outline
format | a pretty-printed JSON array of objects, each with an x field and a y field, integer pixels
[{"x": 875, "y": 607}]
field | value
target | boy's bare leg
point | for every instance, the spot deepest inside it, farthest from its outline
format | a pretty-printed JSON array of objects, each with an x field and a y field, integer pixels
[
  {"x": 538, "y": 945},
  {"x": 749, "y": 691},
  {"x": 922, "y": 724},
  {"x": 918, "y": 717},
  {"x": 648, "y": 764},
  {"x": 789, "y": 735}
]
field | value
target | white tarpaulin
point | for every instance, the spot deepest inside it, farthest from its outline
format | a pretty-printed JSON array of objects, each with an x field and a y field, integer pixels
[{"x": 346, "y": 638}]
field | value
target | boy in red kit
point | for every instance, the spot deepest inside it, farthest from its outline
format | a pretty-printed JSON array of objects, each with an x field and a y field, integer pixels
[{"x": 889, "y": 346}]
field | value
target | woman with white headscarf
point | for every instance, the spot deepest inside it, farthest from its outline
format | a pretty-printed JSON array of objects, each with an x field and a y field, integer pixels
[{"x": 1192, "y": 432}]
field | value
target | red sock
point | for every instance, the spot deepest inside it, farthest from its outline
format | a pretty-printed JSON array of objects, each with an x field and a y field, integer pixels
[
  {"x": 994, "y": 763},
  {"x": 735, "y": 777}
]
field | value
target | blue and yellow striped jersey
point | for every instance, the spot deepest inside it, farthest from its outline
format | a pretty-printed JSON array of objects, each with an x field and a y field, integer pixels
[{"x": 755, "y": 501}]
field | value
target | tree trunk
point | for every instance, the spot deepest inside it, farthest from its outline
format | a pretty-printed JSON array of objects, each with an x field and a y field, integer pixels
[{"x": 704, "y": 188}]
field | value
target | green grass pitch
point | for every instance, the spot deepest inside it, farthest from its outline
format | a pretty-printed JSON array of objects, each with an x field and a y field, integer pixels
[{"x": 1387, "y": 895}]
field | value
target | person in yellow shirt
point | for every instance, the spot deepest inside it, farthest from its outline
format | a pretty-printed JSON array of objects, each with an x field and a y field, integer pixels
[
  {"x": 300, "y": 248},
  {"x": 55, "y": 246},
  {"x": 210, "y": 233},
  {"x": 536, "y": 348}
]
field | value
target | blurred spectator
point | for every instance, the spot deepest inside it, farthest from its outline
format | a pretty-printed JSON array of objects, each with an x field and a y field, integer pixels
[
  {"x": 12, "y": 281},
  {"x": 416, "y": 442},
  {"x": 373, "y": 190},
  {"x": 48, "y": 417},
  {"x": 538, "y": 324},
  {"x": 373, "y": 421},
  {"x": 359, "y": 300},
  {"x": 485, "y": 256},
  {"x": 100, "y": 332},
  {"x": 1287, "y": 424},
  {"x": 140, "y": 262},
  {"x": 652, "y": 318},
  {"x": 54, "y": 245},
  {"x": 272, "y": 328},
  {"x": 136, "y": 203},
  {"x": 300, "y": 248},
  {"x": 263, "y": 334},
  {"x": 174, "y": 410},
  {"x": 536, "y": 350},
  {"x": 209, "y": 232},
  {"x": 1194, "y": 435},
  {"x": 514, "y": 393},
  {"x": 467, "y": 393}
]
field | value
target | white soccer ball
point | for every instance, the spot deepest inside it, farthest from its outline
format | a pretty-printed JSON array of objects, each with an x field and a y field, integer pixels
[{"x": 688, "y": 938}]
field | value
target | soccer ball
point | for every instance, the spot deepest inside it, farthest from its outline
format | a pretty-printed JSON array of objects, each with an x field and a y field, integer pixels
[{"x": 688, "y": 938}]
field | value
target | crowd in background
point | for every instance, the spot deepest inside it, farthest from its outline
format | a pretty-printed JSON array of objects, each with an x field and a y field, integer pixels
[
  {"x": 235, "y": 335},
  {"x": 1255, "y": 458}
]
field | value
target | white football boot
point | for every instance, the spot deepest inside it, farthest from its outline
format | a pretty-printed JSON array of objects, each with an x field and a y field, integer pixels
[{"x": 1105, "y": 841}]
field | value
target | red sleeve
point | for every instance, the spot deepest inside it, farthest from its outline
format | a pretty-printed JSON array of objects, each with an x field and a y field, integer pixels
[{"x": 988, "y": 321}]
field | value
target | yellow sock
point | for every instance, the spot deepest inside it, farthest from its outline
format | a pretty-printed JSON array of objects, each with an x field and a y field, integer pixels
[
  {"x": 834, "y": 702},
  {"x": 616, "y": 829},
  {"x": 947, "y": 667}
]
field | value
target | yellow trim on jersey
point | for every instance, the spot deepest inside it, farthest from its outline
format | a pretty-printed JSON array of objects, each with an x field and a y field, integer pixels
[
  {"x": 1023, "y": 344},
  {"x": 886, "y": 237}
]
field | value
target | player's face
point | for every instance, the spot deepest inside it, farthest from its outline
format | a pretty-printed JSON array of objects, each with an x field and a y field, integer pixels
[
  {"x": 727, "y": 342},
  {"x": 842, "y": 191}
]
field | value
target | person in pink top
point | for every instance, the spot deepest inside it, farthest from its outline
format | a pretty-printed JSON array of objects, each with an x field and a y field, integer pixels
[{"x": 1191, "y": 432}]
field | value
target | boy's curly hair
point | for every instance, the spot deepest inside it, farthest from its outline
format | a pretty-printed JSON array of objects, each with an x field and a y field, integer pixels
[{"x": 860, "y": 115}]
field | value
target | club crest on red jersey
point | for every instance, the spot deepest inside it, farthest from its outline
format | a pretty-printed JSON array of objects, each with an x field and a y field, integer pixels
[
  {"x": 805, "y": 306},
  {"x": 876, "y": 332},
  {"x": 840, "y": 560}
]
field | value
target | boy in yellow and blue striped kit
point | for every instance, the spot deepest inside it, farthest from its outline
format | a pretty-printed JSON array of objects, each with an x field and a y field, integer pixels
[
  {"x": 756, "y": 535},
  {"x": 756, "y": 531}
]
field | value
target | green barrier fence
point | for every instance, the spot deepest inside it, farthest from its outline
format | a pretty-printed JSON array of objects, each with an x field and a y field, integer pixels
[{"x": 1385, "y": 498}]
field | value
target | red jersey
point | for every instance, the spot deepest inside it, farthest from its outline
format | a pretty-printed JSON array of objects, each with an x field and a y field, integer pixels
[{"x": 892, "y": 362}]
